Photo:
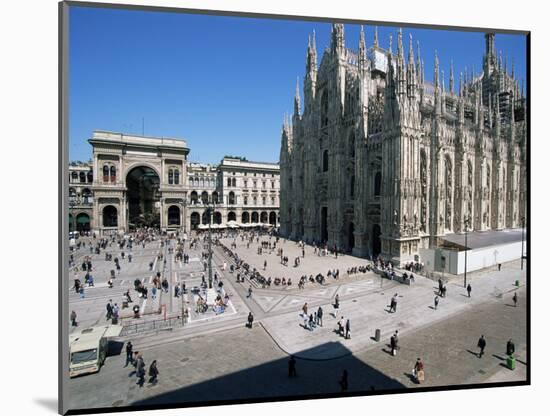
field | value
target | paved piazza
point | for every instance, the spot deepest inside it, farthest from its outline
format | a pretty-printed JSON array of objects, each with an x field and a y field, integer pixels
[{"x": 214, "y": 357}]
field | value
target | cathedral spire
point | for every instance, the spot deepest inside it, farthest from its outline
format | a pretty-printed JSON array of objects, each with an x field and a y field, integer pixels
[
  {"x": 390, "y": 47},
  {"x": 418, "y": 60},
  {"x": 361, "y": 61},
  {"x": 436, "y": 72},
  {"x": 411, "y": 71},
  {"x": 376, "y": 36},
  {"x": 362, "y": 47},
  {"x": 400, "y": 43},
  {"x": 460, "y": 85},
  {"x": 311, "y": 67},
  {"x": 513, "y": 75},
  {"x": 338, "y": 38},
  {"x": 411, "y": 51},
  {"x": 297, "y": 102},
  {"x": 452, "y": 79}
]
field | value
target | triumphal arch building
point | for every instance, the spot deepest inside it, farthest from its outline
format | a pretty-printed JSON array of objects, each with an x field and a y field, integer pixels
[{"x": 138, "y": 180}]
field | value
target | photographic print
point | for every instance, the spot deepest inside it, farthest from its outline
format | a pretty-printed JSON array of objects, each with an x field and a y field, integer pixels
[{"x": 262, "y": 208}]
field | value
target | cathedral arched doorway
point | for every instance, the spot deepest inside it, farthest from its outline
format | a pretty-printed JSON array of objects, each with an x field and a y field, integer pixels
[
  {"x": 195, "y": 220},
  {"x": 231, "y": 216},
  {"x": 324, "y": 229},
  {"x": 143, "y": 197},
  {"x": 245, "y": 218},
  {"x": 351, "y": 236},
  {"x": 273, "y": 218},
  {"x": 255, "y": 217},
  {"x": 217, "y": 217},
  {"x": 376, "y": 242}
]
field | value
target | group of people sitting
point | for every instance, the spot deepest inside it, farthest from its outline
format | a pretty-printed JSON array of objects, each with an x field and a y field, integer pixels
[
  {"x": 359, "y": 269},
  {"x": 278, "y": 281}
]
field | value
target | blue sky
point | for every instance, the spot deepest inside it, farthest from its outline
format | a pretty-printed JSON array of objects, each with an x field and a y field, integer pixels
[{"x": 221, "y": 83}]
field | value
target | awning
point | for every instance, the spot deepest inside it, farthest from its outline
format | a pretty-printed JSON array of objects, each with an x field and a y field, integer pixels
[{"x": 83, "y": 219}]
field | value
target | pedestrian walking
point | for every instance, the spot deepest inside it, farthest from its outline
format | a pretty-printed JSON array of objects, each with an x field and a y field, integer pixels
[
  {"x": 73, "y": 318},
  {"x": 304, "y": 309},
  {"x": 393, "y": 344},
  {"x": 265, "y": 264},
  {"x": 481, "y": 343},
  {"x": 320, "y": 316},
  {"x": 250, "y": 319},
  {"x": 109, "y": 308},
  {"x": 469, "y": 290},
  {"x": 418, "y": 371},
  {"x": 129, "y": 354},
  {"x": 249, "y": 292},
  {"x": 344, "y": 381},
  {"x": 515, "y": 299},
  {"x": 140, "y": 370},
  {"x": 436, "y": 302},
  {"x": 153, "y": 372},
  {"x": 393, "y": 303},
  {"x": 336, "y": 302},
  {"x": 510, "y": 348},
  {"x": 292, "y": 366},
  {"x": 341, "y": 326},
  {"x": 348, "y": 330}
]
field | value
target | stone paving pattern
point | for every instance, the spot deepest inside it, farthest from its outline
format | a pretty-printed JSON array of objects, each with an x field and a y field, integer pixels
[{"x": 216, "y": 357}]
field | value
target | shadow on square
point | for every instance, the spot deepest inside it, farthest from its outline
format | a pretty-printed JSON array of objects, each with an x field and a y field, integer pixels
[{"x": 271, "y": 380}]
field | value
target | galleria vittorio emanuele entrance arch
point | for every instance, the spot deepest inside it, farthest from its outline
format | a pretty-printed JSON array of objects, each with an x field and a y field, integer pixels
[
  {"x": 141, "y": 182},
  {"x": 143, "y": 197}
]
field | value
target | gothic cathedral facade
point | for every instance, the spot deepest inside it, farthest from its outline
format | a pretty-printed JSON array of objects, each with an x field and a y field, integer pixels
[{"x": 381, "y": 162}]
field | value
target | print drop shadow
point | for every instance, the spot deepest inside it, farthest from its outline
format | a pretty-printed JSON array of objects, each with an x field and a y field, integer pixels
[{"x": 315, "y": 376}]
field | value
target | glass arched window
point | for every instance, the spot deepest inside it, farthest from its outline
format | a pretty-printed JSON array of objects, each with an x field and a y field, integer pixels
[
  {"x": 74, "y": 176},
  {"x": 325, "y": 161},
  {"x": 234, "y": 182},
  {"x": 82, "y": 177},
  {"x": 90, "y": 176},
  {"x": 113, "y": 174},
  {"x": 105, "y": 173},
  {"x": 229, "y": 182},
  {"x": 377, "y": 183},
  {"x": 176, "y": 176},
  {"x": 231, "y": 198},
  {"x": 352, "y": 145},
  {"x": 324, "y": 108},
  {"x": 170, "y": 177}
]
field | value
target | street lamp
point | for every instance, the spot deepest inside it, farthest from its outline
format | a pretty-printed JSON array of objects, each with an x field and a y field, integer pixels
[
  {"x": 184, "y": 214},
  {"x": 466, "y": 224},
  {"x": 522, "y": 238},
  {"x": 210, "y": 213}
]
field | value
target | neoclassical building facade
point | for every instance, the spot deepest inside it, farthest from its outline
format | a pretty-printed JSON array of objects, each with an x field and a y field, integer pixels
[
  {"x": 135, "y": 180},
  {"x": 382, "y": 162}
]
